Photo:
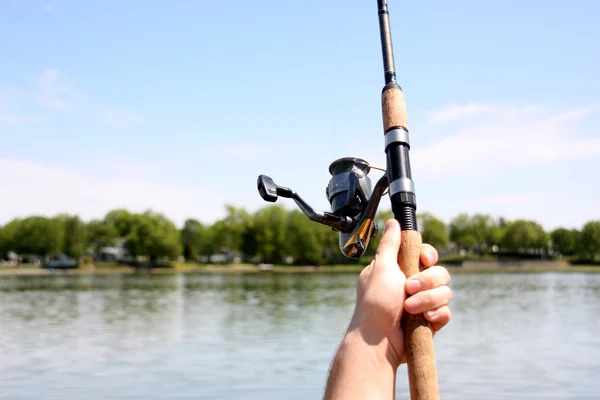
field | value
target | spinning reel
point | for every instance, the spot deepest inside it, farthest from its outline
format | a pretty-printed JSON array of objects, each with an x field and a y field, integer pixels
[{"x": 353, "y": 203}]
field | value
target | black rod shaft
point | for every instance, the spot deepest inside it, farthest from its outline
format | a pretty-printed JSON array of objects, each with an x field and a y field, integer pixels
[
  {"x": 402, "y": 195},
  {"x": 386, "y": 42}
]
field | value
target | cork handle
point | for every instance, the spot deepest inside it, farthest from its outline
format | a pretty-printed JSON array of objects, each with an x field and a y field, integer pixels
[
  {"x": 393, "y": 106},
  {"x": 418, "y": 335}
]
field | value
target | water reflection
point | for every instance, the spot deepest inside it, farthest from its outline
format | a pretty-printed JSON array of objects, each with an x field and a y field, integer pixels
[
  {"x": 527, "y": 335},
  {"x": 273, "y": 335}
]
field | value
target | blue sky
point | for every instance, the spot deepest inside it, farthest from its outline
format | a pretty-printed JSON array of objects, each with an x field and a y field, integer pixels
[{"x": 178, "y": 106}]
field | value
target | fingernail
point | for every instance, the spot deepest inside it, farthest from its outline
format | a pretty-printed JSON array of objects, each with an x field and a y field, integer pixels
[
  {"x": 413, "y": 286},
  {"x": 431, "y": 313},
  {"x": 412, "y": 303}
]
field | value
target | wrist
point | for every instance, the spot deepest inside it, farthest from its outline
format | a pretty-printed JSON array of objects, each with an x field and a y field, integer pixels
[{"x": 372, "y": 347}]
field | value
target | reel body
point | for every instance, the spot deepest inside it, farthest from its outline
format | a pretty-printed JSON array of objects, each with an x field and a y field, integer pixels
[
  {"x": 350, "y": 188},
  {"x": 352, "y": 199}
]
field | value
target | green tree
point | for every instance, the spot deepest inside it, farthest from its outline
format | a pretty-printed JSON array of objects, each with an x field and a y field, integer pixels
[
  {"x": 433, "y": 230},
  {"x": 217, "y": 238},
  {"x": 101, "y": 234},
  {"x": 305, "y": 239},
  {"x": 228, "y": 233},
  {"x": 3, "y": 240},
  {"x": 566, "y": 241},
  {"x": 39, "y": 236},
  {"x": 330, "y": 245},
  {"x": 478, "y": 232},
  {"x": 482, "y": 227},
  {"x": 266, "y": 231},
  {"x": 7, "y": 237},
  {"x": 192, "y": 236},
  {"x": 151, "y": 234},
  {"x": 250, "y": 240},
  {"x": 461, "y": 232},
  {"x": 522, "y": 235},
  {"x": 75, "y": 239},
  {"x": 121, "y": 219},
  {"x": 590, "y": 239},
  {"x": 496, "y": 233}
]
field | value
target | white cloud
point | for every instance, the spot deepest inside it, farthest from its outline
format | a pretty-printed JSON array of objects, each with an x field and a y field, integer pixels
[
  {"x": 509, "y": 137},
  {"x": 37, "y": 188},
  {"x": 8, "y": 117},
  {"x": 99, "y": 165},
  {"x": 509, "y": 199},
  {"x": 250, "y": 149},
  {"x": 247, "y": 150},
  {"x": 54, "y": 92},
  {"x": 115, "y": 117},
  {"x": 530, "y": 162},
  {"x": 11, "y": 119},
  {"x": 454, "y": 112}
]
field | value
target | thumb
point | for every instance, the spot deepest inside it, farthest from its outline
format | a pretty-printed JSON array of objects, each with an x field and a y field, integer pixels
[{"x": 387, "y": 251}]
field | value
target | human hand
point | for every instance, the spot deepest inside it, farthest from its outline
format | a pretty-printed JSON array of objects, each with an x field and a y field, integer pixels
[{"x": 382, "y": 297}]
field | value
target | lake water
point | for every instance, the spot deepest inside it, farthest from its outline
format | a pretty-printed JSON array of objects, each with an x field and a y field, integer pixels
[{"x": 513, "y": 336}]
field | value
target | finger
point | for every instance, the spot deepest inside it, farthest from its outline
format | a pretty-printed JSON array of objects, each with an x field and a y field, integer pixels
[
  {"x": 429, "y": 255},
  {"x": 387, "y": 251},
  {"x": 430, "y": 278},
  {"x": 438, "y": 318},
  {"x": 428, "y": 300}
]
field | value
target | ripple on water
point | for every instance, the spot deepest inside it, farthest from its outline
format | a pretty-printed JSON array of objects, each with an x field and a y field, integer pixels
[{"x": 272, "y": 336}]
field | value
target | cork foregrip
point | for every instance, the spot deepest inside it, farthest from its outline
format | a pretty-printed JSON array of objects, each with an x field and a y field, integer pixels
[
  {"x": 418, "y": 336},
  {"x": 393, "y": 107}
]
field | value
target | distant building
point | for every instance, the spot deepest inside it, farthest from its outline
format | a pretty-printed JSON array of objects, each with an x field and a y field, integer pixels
[
  {"x": 60, "y": 261},
  {"x": 115, "y": 253}
]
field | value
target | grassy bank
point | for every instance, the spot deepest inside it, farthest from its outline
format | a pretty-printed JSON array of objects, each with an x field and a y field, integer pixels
[
  {"x": 357, "y": 268},
  {"x": 524, "y": 269},
  {"x": 114, "y": 268}
]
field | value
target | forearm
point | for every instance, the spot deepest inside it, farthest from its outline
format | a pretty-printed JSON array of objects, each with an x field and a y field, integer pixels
[{"x": 361, "y": 371}]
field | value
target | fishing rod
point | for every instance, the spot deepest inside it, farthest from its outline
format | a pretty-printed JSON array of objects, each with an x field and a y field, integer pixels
[{"x": 354, "y": 203}]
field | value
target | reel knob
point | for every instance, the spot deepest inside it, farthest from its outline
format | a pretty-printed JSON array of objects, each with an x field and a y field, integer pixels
[
  {"x": 267, "y": 188},
  {"x": 270, "y": 191}
]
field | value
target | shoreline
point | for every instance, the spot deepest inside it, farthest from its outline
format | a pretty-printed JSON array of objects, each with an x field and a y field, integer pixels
[{"x": 182, "y": 268}]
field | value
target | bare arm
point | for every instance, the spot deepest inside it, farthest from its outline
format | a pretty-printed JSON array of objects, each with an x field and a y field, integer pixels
[
  {"x": 366, "y": 362},
  {"x": 360, "y": 371}
]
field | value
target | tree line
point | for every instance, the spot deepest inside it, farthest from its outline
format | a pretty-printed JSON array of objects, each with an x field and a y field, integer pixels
[{"x": 274, "y": 234}]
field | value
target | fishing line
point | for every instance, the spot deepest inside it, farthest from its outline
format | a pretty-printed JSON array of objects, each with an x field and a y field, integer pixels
[
  {"x": 386, "y": 191},
  {"x": 378, "y": 168},
  {"x": 335, "y": 79}
]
